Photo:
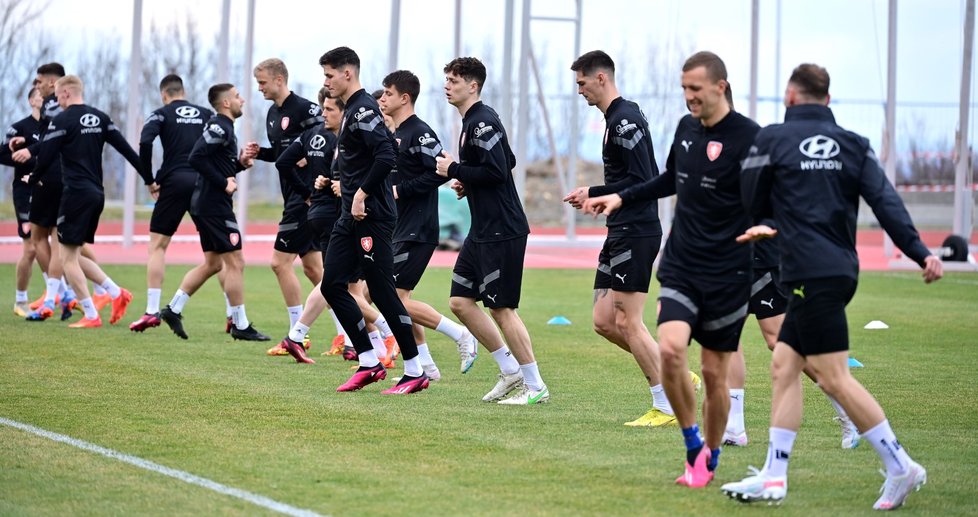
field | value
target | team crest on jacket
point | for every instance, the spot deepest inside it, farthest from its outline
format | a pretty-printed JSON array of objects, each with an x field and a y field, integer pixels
[
  {"x": 234, "y": 238},
  {"x": 367, "y": 243},
  {"x": 713, "y": 150},
  {"x": 285, "y": 123}
]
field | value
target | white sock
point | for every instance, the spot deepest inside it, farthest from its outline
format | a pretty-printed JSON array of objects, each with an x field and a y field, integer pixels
[
  {"x": 240, "y": 317},
  {"x": 894, "y": 457},
  {"x": 45, "y": 275},
  {"x": 227, "y": 305},
  {"x": 336, "y": 321},
  {"x": 659, "y": 399},
  {"x": 153, "y": 300},
  {"x": 451, "y": 329},
  {"x": 383, "y": 327},
  {"x": 63, "y": 287},
  {"x": 89, "y": 307},
  {"x": 179, "y": 300},
  {"x": 368, "y": 359},
  {"x": 294, "y": 313},
  {"x": 110, "y": 287},
  {"x": 53, "y": 286},
  {"x": 735, "y": 418},
  {"x": 298, "y": 332},
  {"x": 377, "y": 343},
  {"x": 425, "y": 354},
  {"x": 507, "y": 363},
  {"x": 21, "y": 296},
  {"x": 531, "y": 376},
  {"x": 412, "y": 367},
  {"x": 779, "y": 451},
  {"x": 97, "y": 290}
]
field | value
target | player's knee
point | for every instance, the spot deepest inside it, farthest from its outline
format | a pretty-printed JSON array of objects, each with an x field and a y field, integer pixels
[
  {"x": 714, "y": 375},
  {"x": 460, "y": 305},
  {"x": 670, "y": 354}
]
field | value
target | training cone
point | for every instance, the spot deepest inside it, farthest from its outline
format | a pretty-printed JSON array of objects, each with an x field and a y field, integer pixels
[
  {"x": 559, "y": 320},
  {"x": 876, "y": 325},
  {"x": 853, "y": 363}
]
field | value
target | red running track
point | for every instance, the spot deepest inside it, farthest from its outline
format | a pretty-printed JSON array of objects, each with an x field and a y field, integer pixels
[{"x": 547, "y": 247}]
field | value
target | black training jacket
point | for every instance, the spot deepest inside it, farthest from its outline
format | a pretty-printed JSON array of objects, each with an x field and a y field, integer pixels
[
  {"x": 215, "y": 158},
  {"x": 366, "y": 157},
  {"x": 179, "y": 125},
  {"x": 284, "y": 124},
  {"x": 416, "y": 182},
  {"x": 318, "y": 146},
  {"x": 485, "y": 169},
  {"x": 808, "y": 174}
]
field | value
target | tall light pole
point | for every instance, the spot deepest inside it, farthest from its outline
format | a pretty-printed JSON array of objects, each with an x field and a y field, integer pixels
[{"x": 133, "y": 116}]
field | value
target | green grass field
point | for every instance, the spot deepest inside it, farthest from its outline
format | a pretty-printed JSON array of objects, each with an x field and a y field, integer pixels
[{"x": 225, "y": 411}]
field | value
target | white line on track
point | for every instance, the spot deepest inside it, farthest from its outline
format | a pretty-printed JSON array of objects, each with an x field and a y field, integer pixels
[{"x": 186, "y": 477}]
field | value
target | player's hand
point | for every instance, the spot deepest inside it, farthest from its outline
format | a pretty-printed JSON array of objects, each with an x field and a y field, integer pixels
[
  {"x": 154, "y": 190},
  {"x": 606, "y": 205},
  {"x": 231, "y": 187},
  {"x": 21, "y": 156},
  {"x": 458, "y": 188},
  {"x": 321, "y": 182},
  {"x": 933, "y": 269},
  {"x": 26, "y": 178},
  {"x": 358, "y": 209},
  {"x": 337, "y": 191},
  {"x": 15, "y": 142},
  {"x": 442, "y": 162},
  {"x": 577, "y": 197},
  {"x": 301, "y": 163},
  {"x": 756, "y": 233},
  {"x": 251, "y": 149}
]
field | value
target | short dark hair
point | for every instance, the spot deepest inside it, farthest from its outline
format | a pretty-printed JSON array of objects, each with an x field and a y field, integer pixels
[
  {"x": 215, "y": 93},
  {"x": 172, "y": 85},
  {"x": 715, "y": 69},
  {"x": 811, "y": 80},
  {"x": 340, "y": 57},
  {"x": 377, "y": 94},
  {"x": 468, "y": 68},
  {"x": 405, "y": 82},
  {"x": 51, "y": 69},
  {"x": 30, "y": 93},
  {"x": 324, "y": 94},
  {"x": 592, "y": 61}
]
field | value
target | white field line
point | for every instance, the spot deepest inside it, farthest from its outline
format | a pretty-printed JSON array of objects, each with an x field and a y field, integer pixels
[{"x": 186, "y": 477}]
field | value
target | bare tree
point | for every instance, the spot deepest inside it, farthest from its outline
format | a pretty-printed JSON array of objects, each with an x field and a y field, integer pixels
[{"x": 23, "y": 46}]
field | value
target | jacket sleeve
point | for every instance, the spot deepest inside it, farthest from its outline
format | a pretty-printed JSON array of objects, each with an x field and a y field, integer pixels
[
  {"x": 210, "y": 144},
  {"x": 756, "y": 179},
  {"x": 151, "y": 130},
  {"x": 427, "y": 181},
  {"x": 663, "y": 185},
  {"x": 6, "y": 157},
  {"x": 637, "y": 153},
  {"x": 491, "y": 165},
  {"x": 378, "y": 139},
  {"x": 47, "y": 150},
  {"x": 286, "y": 165},
  {"x": 889, "y": 209},
  {"x": 115, "y": 139}
]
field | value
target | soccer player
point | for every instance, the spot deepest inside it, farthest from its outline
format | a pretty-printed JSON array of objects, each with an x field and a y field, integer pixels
[
  {"x": 416, "y": 233},
  {"x": 808, "y": 174},
  {"x": 217, "y": 161},
  {"x": 704, "y": 275},
  {"x": 363, "y": 233},
  {"x": 178, "y": 124},
  {"x": 621, "y": 283},
  {"x": 29, "y": 130},
  {"x": 78, "y": 134},
  {"x": 489, "y": 267},
  {"x": 318, "y": 147},
  {"x": 287, "y": 118}
]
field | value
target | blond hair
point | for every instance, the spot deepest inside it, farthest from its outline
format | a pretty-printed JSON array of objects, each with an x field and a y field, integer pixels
[
  {"x": 274, "y": 66},
  {"x": 72, "y": 82}
]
